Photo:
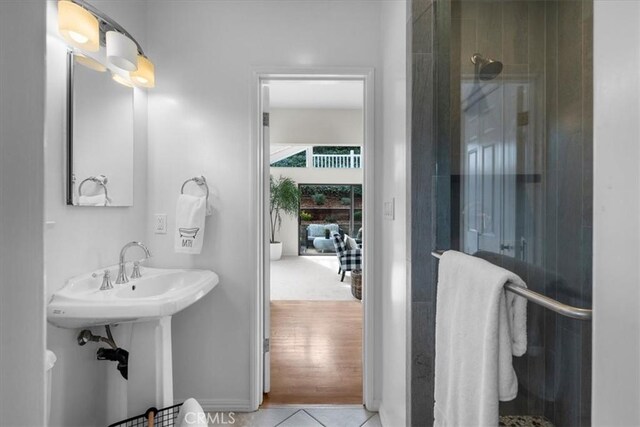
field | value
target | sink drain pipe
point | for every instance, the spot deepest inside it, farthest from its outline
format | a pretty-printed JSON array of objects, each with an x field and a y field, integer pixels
[{"x": 114, "y": 354}]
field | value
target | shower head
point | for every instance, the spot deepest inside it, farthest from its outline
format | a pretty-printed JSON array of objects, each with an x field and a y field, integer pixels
[{"x": 486, "y": 68}]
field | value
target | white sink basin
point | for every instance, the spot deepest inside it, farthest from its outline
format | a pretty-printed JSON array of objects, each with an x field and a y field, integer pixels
[{"x": 158, "y": 293}]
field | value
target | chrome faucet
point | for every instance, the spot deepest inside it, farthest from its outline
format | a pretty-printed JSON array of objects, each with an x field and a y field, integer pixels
[
  {"x": 106, "y": 281},
  {"x": 122, "y": 273}
]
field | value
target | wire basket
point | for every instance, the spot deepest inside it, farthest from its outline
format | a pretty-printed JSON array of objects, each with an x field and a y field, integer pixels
[
  {"x": 356, "y": 284},
  {"x": 165, "y": 417}
]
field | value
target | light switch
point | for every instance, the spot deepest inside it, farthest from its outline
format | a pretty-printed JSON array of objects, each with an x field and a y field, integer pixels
[
  {"x": 160, "y": 224},
  {"x": 389, "y": 209}
]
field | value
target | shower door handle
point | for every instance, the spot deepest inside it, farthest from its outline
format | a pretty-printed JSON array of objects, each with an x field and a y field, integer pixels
[
  {"x": 504, "y": 247},
  {"x": 523, "y": 248}
]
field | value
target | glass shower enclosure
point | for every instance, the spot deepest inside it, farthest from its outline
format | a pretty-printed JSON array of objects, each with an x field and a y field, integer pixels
[{"x": 519, "y": 153}]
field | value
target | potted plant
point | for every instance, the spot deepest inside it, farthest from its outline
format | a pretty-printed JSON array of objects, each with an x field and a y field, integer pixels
[{"x": 284, "y": 200}]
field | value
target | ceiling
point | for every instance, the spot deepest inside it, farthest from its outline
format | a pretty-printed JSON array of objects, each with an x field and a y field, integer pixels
[{"x": 326, "y": 94}]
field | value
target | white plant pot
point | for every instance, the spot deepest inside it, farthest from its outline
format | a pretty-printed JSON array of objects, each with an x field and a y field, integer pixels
[{"x": 276, "y": 251}]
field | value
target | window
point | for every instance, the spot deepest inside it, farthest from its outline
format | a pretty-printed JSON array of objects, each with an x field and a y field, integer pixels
[{"x": 333, "y": 207}]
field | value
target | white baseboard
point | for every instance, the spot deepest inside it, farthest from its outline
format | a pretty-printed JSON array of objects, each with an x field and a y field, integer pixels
[
  {"x": 375, "y": 406},
  {"x": 223, "y": 405}
]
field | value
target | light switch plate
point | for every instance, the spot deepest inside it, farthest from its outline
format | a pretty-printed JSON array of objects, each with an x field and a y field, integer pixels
[
  {"x": 160, "y": 224},
  {"x": 389, "y": 209}
]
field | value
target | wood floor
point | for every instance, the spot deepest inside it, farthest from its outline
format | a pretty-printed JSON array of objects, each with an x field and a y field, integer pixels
[{"x": 316, "y": 353}]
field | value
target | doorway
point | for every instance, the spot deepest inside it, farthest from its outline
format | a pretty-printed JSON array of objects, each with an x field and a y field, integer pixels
[{"x": 312, "y": 330}]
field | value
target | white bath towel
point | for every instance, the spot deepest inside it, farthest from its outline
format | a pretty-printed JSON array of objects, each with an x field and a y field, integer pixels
[
  {"x": 190, "y": 217},
  {"x": 97, "y": 200},
  {"x": 479, "y": 326}
]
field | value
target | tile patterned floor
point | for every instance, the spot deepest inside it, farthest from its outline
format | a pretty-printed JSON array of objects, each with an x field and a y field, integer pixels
[
  {"x": 335, "y": 416},
  {"x": 313, "y": 416}
]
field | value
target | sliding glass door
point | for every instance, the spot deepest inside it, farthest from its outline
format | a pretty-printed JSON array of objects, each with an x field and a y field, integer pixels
[{"x": 325, "y": 209}]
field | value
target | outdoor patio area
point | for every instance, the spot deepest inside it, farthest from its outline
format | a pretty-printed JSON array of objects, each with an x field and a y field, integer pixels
[{"x": 312, "y": 278}]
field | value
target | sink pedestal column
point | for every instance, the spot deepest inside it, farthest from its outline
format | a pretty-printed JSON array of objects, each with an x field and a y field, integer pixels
[{"x": 150, "y": 366}]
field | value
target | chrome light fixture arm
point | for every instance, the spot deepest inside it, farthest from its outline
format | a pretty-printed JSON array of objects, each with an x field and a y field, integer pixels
[{"x": 107, "y": 23}]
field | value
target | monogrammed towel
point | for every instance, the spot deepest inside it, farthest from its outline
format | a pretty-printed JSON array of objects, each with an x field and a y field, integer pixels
[{"x": 190, "y": 214}]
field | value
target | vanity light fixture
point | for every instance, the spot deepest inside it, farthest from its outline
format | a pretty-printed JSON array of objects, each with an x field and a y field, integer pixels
[
  {"x": 121, "y": 51},
  {"x": 145, "y": 74},
  {"x": 78, "y": 26},
  {"x": 124, "y": 55},
  {"x": 89, "y": 62}
]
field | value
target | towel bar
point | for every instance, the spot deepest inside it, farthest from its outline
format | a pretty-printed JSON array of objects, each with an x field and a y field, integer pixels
[
  {"x": 550, "y": 303},
  {"x": 200, "y": 180}
]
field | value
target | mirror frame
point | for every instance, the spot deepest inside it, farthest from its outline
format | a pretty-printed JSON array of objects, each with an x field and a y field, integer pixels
[{"x": 69, "y": 156}]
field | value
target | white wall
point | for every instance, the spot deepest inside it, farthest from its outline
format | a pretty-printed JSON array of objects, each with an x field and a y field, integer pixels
[
  {"x": 312, "y": 126},
  {"x": 85, "y": 238},
  {"x": 392, "y": 184},
  {"x": 200, "y": 123},
  {"x": 22, "y": 338},
  {"x": 288, "y": 234},
  {"x": 616, "y": 258}
]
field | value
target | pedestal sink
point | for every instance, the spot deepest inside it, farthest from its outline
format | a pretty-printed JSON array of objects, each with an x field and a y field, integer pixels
[
  {"x": 158, "y": 293},
  {"x": 148, "y": 302}
]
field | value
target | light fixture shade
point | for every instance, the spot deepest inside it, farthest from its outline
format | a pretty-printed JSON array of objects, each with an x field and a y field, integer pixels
[
  {"x": 119, "y": 78},
  {"x": 145, "y": 74},
  {"x": 122, "y": 51},
  {"x": 89, "y": 62},
  {"x": 78, "y": 26}
]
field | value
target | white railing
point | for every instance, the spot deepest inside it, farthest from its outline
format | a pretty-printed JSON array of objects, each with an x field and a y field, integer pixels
[{"x": 351, "y": 160}]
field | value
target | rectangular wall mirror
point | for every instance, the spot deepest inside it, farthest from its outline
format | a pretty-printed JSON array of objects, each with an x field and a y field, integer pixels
[{"x": 100, "y": 137}]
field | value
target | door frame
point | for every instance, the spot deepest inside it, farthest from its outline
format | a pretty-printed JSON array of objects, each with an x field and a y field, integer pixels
[
  {"x": 615, "y": 380},
  {"x": 259, "y": 208}
]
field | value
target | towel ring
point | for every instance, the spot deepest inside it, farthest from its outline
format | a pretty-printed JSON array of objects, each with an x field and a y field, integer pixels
[
  {"x": 102, "y": 181},
  {"x": 200, "y": 180}
]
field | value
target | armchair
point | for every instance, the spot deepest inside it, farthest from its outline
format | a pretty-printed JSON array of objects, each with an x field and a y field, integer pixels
[{"x": 349, "y": 259}]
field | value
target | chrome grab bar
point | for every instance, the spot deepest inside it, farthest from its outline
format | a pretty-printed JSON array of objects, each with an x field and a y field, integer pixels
[{"x": 550, "y": 303}]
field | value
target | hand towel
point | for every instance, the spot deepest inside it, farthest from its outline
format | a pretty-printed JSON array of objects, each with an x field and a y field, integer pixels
[
  {"x": 197, "y": 190},
  {"x": 97, "y": 200},
  {"x": 190, "y": 215},
  {"x": 479, "y": 327}
]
